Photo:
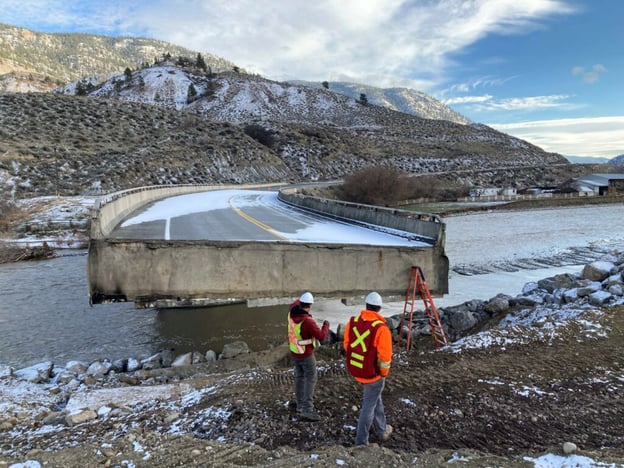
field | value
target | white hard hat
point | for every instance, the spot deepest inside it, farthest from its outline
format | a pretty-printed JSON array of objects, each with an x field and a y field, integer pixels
[
  {"x": 307, "y": 298},
  {"x": 373, "y": 299}
]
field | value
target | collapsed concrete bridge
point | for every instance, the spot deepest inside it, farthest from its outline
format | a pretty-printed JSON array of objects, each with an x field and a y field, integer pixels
[{"x": 132, "y": 263}]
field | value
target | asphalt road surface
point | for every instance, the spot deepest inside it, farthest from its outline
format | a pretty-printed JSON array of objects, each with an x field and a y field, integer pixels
[{"x": 246, "y": 215}]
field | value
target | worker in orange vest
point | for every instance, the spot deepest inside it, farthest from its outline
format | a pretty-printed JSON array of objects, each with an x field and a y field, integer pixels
[
  {"x": 304, "y": 336},
  {"x": 368, "y": 346}
]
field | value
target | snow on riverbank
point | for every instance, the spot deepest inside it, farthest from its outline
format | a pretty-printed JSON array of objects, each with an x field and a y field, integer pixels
[
  {"x": 60, "y": 222},
  {"x": 555, "y": 309},
  {"x": 24, "y": 405}
]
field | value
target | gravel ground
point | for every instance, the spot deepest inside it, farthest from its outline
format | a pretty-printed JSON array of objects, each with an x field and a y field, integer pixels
[{"x": 502, "y": 405}]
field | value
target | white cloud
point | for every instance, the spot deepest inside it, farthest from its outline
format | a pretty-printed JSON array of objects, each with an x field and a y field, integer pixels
[
  {"x": 468, "y": 100},
  {"x": 528, "y": 103},
  {"x": 379, "y": 42},
  {"x": 598, "y": 137},
  {"x": 591, "y": 75},
  {"x": 487, "y": 103}
]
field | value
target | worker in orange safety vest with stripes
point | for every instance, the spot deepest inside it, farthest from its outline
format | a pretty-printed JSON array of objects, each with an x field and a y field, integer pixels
[{"x": 368, "y": 346}]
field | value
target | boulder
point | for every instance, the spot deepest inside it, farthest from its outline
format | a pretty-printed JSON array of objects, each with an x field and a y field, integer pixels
[
  {"x": 39, "y": 373},
  {"x": 133, "y": 365},
  {"x": 81, "y": 416},
  {"x": 616, "y": 290},
  {"x": 77, "y": 367},
  {"x": 564, "y": 280},
  {"x": 570, "y": 295},
  {"x": 497, "y": 305},
  {"x": 231, "y": 350},
  {"x": 600, "y": 298},
  {"x": 598, "y": 271},
  {"x": 167, "y": 356},
  {"x": 120, "y": 365},
  {"x": 152, "y": 362},
  {"x": 182, "y": 360},
  {"x": 197, "y": 357},
  {"x": 99, "y": 368},
  {"x": 589, "y": 289}
]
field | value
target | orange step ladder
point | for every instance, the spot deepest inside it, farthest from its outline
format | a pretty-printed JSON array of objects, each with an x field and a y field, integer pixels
[{"x": 416, "y": 284}]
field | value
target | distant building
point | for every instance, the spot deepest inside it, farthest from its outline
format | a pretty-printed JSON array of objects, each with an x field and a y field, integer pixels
[
  {"x": 600, "y": 184},
  {"x": 491, "y": 192},
  {"x": 484, "y": 191}
]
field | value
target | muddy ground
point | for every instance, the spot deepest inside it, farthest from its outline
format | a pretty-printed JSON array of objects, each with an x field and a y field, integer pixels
[{"x": 481, "y": 407}]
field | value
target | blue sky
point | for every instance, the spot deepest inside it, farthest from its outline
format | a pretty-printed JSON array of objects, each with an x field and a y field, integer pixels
[{"x": 548, "y": 71}]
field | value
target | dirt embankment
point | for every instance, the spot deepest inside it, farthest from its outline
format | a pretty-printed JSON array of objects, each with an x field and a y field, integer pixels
[{"x": 492, "y": 406}]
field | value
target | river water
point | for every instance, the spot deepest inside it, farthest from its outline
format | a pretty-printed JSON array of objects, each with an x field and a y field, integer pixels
[{"x": 45, "y": 312}]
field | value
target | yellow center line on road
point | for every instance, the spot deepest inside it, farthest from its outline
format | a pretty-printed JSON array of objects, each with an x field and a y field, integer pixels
[{"x": 260, "y": 224}]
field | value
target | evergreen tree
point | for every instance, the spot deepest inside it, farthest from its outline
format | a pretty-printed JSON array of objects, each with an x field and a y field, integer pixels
[
  {"x": 81, "y": 90},
  {"x": 363, "y": 99},
  {"x": 191, "y": 94},
  {"x": 200, "y": 62},
  {"x": 128, "y": 74},
  {"x": 325, "y": 84}
]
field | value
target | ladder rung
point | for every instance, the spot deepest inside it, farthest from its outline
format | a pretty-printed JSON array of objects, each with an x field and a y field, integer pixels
[{"x": 416, "y": 283}]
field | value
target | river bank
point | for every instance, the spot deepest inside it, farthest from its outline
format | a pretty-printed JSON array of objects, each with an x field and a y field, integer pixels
[
  {"x": 12, "y": 253},
  {"x": 511, "y": 396},
  {"x": 538, "y": 385},
  {"x": 35, "y": 228},
  {"x": 48, "y": 300}
]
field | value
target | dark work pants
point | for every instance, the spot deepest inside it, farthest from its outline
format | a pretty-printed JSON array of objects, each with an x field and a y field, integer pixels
[{"x": 305, "y": 383}]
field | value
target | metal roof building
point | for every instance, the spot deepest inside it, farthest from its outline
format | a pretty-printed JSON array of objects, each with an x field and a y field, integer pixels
[{"x": 601, "y": 184}]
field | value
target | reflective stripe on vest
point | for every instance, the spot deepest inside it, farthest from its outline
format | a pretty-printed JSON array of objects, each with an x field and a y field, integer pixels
[
  {"x": 296, "y": 343},
  {"x": 361, "y": 354}
]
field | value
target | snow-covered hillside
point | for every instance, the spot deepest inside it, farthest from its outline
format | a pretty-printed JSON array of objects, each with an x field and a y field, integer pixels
[
  {"x": 231, "y": 96},
  {"x": 239, "y": 97},
  {"x": 407, "y": 100}
]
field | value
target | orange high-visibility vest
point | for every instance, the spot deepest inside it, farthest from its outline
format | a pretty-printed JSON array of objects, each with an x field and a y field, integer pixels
[{"x": 361, "y": 352}]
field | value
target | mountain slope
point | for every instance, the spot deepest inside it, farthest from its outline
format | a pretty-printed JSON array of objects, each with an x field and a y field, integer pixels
[
  {"x": 146, "y": 129},
  {"x": 31, "y": 61},
  {"x": 404, "y": 100},
  {"x": 59, "y": 58},
  {"x": 617, "y": 160},
  {"x": 172, "y": 123}
]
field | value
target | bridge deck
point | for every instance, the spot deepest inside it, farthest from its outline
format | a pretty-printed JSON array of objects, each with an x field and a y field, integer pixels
[{"x": 170, "y": 247}]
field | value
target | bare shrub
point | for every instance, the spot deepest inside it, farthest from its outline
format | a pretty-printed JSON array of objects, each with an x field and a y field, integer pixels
[
  {"x": 421, "y": 187},
  {"x": 9, "y": 212},
  {"x": 260, "y": 134},
  {"x": 376, "y": 185},
  {"x": 434, "y": 188}
]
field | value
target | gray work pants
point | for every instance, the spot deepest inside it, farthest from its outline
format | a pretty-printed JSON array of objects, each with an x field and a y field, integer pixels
[
  {"x": 372, "y": 412},
  {"x": 305, "y": 383}
]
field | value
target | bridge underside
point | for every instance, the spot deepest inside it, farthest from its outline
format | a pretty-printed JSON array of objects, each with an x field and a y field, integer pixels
[{"x": 196, "y": 273}]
